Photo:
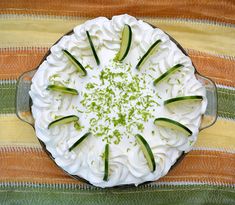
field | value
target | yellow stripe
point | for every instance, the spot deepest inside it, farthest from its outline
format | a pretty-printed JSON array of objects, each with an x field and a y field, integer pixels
[
  {"x": 220, "y": 135},
  {"x": 26, "y": 32},
  {"x": 200, "y": 36},
  {"x": 44, "y": 31},
  {"x": 14, "y": 132}
]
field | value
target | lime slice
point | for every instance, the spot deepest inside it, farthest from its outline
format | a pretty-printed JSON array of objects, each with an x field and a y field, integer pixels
[
  {"x": 153, "y": 48},
  {"x": 189, "y": 99},
  {"x": 93, "y": 48},
  {"x": 147, "y": 152},
  {"x": 106, "y": 162},
  {"x": 167, "y": 73},
  {"x": 79, "y": 141},
  {"x": 125, "y": 44},
  {"x": 63, "y": 120},
  {"x": 62, "y": 89},
  {"x": 75, "y": 62},
  {"x": 166, "y": 122}
]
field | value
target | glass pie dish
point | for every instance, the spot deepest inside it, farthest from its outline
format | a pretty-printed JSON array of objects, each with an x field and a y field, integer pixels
[{"x": 24, "y": 102}]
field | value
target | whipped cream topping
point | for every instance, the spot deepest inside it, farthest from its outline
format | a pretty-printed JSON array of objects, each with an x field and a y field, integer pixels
[{"x": 108, "y": 107}]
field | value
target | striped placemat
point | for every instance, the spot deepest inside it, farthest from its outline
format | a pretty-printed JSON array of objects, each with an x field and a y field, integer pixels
[{"x": 206, "y": 175}]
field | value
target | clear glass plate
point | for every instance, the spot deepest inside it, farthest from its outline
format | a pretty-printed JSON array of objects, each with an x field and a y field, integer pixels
[{"x": 24, "y": 102}]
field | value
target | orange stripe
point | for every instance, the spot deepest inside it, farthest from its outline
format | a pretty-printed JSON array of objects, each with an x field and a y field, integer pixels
[
  {"x": 222, "y": 11},
  {"x": 13, "y": 63},
  {"x": 30, "y": 166},
  {"x": 35, "y": 166},
  {"x": 221, "y": 70},
  {"x": 204, "y": 166}
]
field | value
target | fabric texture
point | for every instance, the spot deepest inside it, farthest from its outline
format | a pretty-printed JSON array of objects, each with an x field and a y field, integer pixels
[{"x": 206, "y": 29}]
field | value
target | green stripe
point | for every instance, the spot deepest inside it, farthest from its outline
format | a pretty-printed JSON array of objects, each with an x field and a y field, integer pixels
[
  {"x": 7, "y": 97},
  {"x": 226, "y": 103},
  {"x": 165, "y": 194},
  {"x": 226, "y": 100}
]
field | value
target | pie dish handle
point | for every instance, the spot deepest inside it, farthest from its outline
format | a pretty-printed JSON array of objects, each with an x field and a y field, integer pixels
[
  {"x": 210, "y": 116},
  {"x": 23, "y": 100}
]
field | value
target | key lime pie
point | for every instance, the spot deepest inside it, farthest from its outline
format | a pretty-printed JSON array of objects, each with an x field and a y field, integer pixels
[{"x": 117, "y": 102}]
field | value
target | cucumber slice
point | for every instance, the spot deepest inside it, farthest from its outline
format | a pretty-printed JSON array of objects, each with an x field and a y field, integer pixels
[
  {"x": 147, "y": 152},
  {"x": 153, "y": 48},
  {"x": 166, "y": 122},
  {"x": 79, "y": 141},
  {"x": 63, "y": 120},
  {"x": 125, "y": 44},
  {"x": 192, "y": 98},
  {"x": 75, "y": 62},
  {"x": 62, "y": 89},
  {"x": 106, "y": 162},
  {"x": 167, "y": 73},
  {"x": 93, "y": 48}
]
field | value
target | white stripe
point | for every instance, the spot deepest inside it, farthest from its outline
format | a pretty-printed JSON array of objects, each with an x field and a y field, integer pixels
[
  {"x": 45, "y": 185},
  {"x": 42, "y": 17},
  {"x": 213, "y": 54},
  {"x": 188, "y": 183},
  {"x": 7, "y": 82},
  {"x": 2, "y": 115},
  {"x": 225, "y": 118},
  {"x": 232, "y": 151},
  {"x": 90, "y": 187},
  {"x": 192, "y": 21},
  {"x": 25, "y": 48},
  {"x": 23, "y": 148},
  {"x": 72, "y": 17},
  {"x": 225, "y": 87}
]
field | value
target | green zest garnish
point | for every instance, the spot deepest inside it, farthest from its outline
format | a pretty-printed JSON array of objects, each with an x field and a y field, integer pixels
[
  {"x": 75, "y": 62},
  {"x": 93, "y": 48},
  {"x": 79, "y": 141},
  {"x": 77, "y": 126},
  {"x": 118, "y": 100},
  {"x": 167, "y": 73},
  {"x": 62, "y": 89},
  {"x": 125, "y": 43},
  {"x": 172, "y": 124},
  {"x": 63, "y": 120},
  {"x": 153, "y": 48},
  {"x": 147, "y": 152},
  {"x": 106, "y": 162}
]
